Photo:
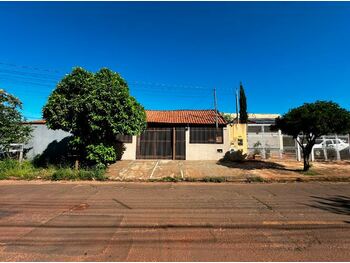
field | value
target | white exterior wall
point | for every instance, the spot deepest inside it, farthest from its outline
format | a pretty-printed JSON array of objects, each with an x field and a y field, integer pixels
[
  {"x": 207, "y": 151},
  {"x": 130, "y": 151},
  {"x": 41, "y": 138}
]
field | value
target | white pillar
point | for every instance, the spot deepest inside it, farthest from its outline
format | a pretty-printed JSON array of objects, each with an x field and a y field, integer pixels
[
  {"x": 324, "y": 148},
  {"x": 21, "y": 153},
  {"x": 337, "y": 147},
  {"x": 263, "y": 142},
  {"x": 298, "y": 149},
  {"x": 280, "y": 136},
  {"x": 312, "y": 154}
]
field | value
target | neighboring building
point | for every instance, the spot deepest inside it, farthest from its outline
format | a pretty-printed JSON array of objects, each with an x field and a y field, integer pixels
[
  {"x": 259, "y": 118},
  {"x": 257, "y": 136},
  {"x": 171, "y": 134}
]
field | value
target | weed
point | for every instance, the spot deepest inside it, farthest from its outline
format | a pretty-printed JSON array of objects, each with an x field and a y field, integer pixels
[
  {"x": 26, "y": 171},
  {"x": 214, "y": 179},
  {"x": 82, "y": 174},
  {"x": 13, "y": 169},
  {"x": 310, "y": 172},
  {"x": 254, "y": 179},
  {"x": 170, "y": 179}
]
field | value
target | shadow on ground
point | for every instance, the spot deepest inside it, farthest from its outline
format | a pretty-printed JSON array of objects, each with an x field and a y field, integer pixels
[
  {"x": 256, "y": 164},
  {"x": 338, "y": 204}
]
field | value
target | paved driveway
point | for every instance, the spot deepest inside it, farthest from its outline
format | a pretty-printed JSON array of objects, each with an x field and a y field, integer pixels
[
  {"x": 174, "y": 222},
  {"x": 155, "y": 169}
]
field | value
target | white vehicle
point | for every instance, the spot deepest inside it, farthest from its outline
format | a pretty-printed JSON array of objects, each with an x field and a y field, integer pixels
[{"x": 336, "y": 144}]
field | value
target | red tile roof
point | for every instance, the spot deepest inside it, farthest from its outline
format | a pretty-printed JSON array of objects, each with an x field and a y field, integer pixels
[
  {"x": 35, "y": 122},
  {"x": 174, "y": 117},
  {"x": 183, "y": 116}
]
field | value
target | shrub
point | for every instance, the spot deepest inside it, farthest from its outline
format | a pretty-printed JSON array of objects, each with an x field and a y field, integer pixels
[
  {"x": 234, "y": 156},
  {"x": 101, "y": 155}
]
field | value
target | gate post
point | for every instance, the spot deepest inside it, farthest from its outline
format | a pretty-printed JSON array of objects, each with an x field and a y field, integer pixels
[
  {"x": 298, "y": 150},
  {"x": 174, "y": 143},
  {"x": 281, "y": 143},
  {"x": 337, "y": 147},
  {"x": 324, "y": 148}
]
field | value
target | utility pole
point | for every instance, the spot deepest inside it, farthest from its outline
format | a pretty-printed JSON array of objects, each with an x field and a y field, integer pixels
[
  {"x": 216, "y": 110},
  {"x": 237, "y": 106}
]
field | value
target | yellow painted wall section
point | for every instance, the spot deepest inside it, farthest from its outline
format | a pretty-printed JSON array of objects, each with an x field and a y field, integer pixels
[{"x": 238, "y": 137}]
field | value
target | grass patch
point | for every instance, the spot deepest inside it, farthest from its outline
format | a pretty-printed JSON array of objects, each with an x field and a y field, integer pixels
[
  {"x": 310, "y": 172},
  {"x": 168, "y": 179},
  {"x": 213, "y": 179},
  {"x": 12, "y": 169},
  {"x": 255, "y": 179},
  {"x": 81, "y": 174}
]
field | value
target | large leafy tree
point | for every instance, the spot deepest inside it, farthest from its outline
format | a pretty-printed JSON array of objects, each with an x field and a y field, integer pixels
[
  {"x": 243, "y": 115},
  {"x": 311, "y": 121},
  {"x": 12, "y": 129},
  {"x": 95, "y": 108}
]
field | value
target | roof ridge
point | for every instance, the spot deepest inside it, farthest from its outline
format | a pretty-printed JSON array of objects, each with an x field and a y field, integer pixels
[{"x": 183, "y": 110}]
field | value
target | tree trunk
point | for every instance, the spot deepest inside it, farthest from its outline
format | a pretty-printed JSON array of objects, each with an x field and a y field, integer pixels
[{"x": 306, "y": 162}]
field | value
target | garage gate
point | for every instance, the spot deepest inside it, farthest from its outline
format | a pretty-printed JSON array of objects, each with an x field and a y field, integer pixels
[{"x": 162, "y": 143}]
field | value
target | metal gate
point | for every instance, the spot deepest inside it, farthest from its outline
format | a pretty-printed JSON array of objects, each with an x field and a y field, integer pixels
[{"x": 161, "y": 143}]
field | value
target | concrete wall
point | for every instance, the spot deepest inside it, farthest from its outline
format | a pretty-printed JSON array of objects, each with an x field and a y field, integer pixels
[
  {"x": 41, "y": 138},
  {"x": 206, "y": 151},
  {"x": 130, "y": 151}
]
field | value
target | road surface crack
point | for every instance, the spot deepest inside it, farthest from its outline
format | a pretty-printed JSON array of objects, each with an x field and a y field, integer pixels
[{"x": 121, "y": 203}]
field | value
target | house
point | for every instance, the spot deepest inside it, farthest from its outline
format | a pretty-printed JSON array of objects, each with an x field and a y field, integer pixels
[
  {"x": 170, "y": 134},
  {"x": 242, "y": 136}
]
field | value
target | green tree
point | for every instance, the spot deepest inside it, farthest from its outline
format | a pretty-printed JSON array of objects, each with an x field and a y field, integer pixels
[
  {"x": 12, "y": 129},
  {"x": 311, "y": 121},
  {"x": 95, "y": 108},
  {"x": 228, "y": 117},
  {"x": 243, "y": 115}
]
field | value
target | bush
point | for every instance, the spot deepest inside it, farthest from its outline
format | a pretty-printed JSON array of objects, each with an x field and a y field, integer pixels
[
  {"x": 82, "y": 174},
  {"x": 101, "y": 155},
  {"x": 234, "y": 156}
]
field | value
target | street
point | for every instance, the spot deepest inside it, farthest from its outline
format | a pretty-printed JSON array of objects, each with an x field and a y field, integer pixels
[{"x": 91, "y": 221}]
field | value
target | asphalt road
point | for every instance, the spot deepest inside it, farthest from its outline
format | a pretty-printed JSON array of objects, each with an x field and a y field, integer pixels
[{"x": 174, "y": 222}]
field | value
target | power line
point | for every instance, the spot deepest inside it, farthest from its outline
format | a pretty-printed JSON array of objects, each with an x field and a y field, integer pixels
[
  {"x": 137, "y": 82},
  {"x": 32, "y": 68}
]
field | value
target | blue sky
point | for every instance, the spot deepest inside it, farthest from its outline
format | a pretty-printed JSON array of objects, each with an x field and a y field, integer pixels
[{"x": 173, "y": 54}]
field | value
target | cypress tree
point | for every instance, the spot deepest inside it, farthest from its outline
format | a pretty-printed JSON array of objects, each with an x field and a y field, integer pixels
[{"x": 243, "y": 115}]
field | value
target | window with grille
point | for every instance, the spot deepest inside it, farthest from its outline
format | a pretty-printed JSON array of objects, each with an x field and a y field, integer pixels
[
  {"x": 206, "y": 135},
  {"x": 124, "y": 138}
]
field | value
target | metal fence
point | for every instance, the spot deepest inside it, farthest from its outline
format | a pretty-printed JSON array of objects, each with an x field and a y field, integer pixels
[{"x": 270, "y": 144}]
